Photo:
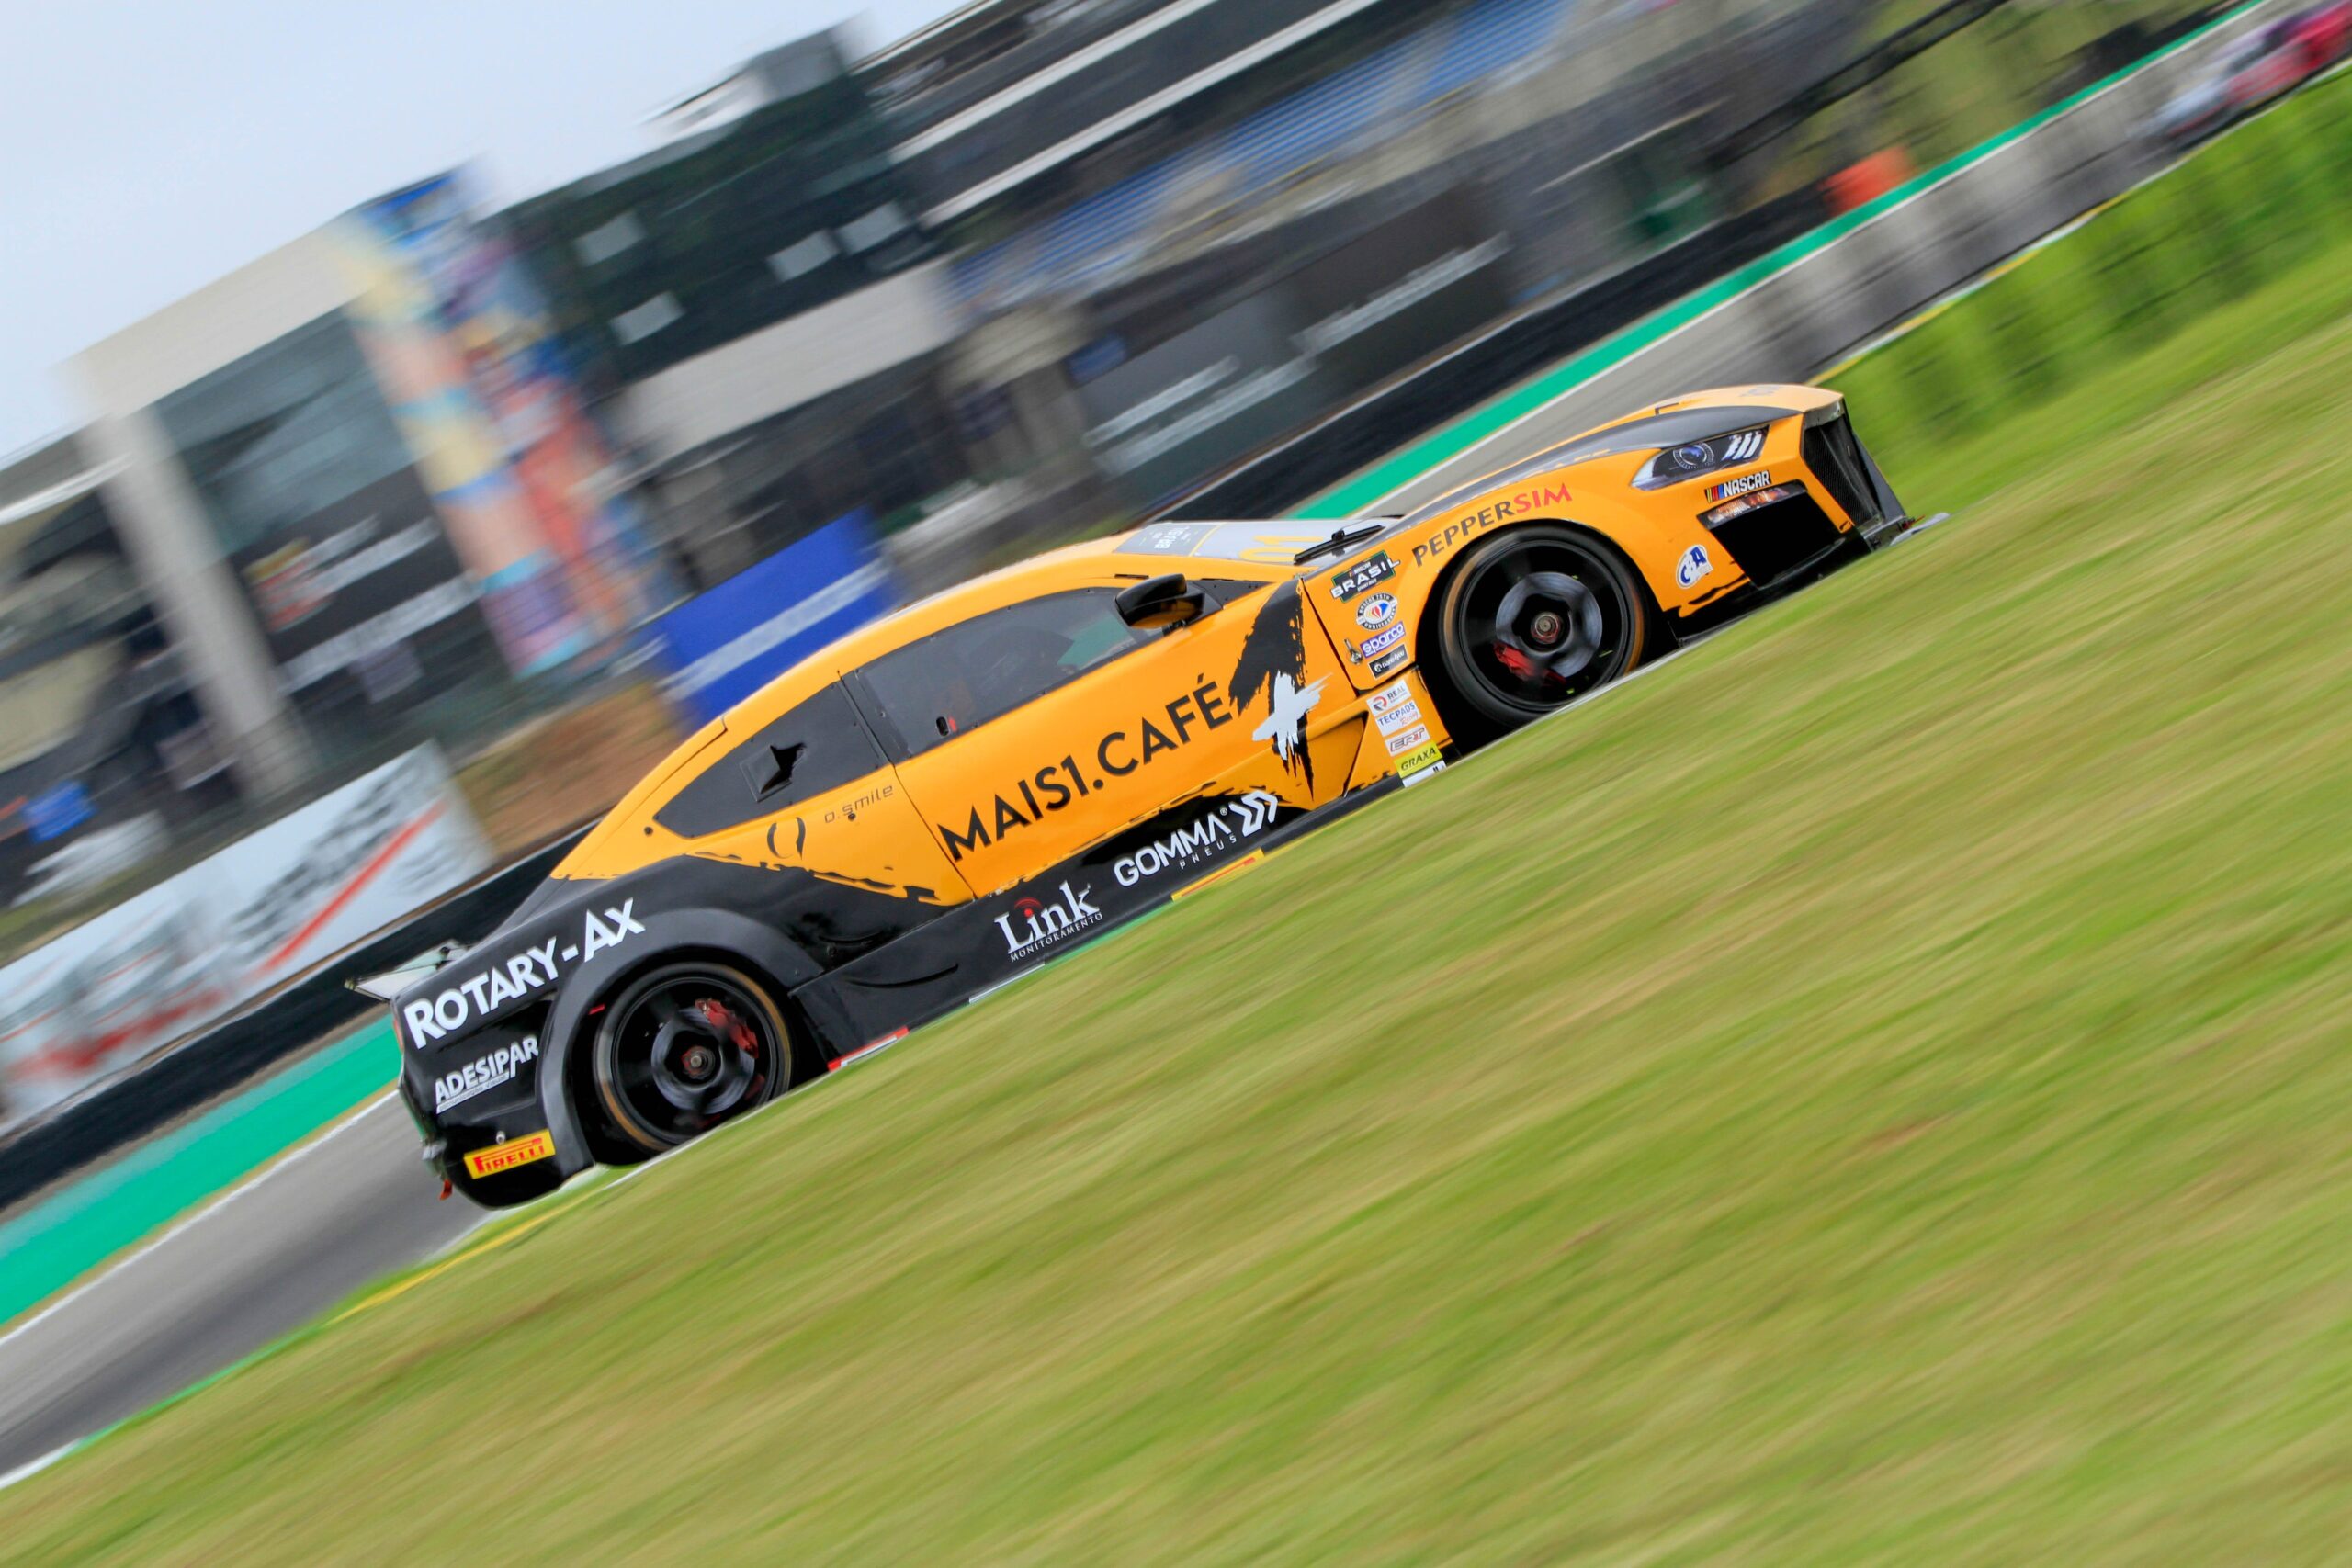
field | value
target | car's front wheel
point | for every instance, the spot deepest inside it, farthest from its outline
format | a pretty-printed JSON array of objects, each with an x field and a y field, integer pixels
[
  {"x": 685, "y": 1047},
  {"x": 1535, "y": 618}
]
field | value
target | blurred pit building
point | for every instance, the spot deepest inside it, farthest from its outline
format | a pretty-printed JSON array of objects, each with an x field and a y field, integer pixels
[{"x": 1041, "y": 266}]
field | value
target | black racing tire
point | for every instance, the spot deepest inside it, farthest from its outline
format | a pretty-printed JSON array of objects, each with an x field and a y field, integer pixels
[
  {"x": 1534, "y": 618},
  {"x": 684, "y": 1047}
]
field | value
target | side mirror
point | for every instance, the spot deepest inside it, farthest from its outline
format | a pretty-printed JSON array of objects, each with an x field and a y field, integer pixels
[{"x": 1161, "y": 603}]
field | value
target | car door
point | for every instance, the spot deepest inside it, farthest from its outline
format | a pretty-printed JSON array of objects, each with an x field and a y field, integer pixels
[{"x": 1032, "y": 732}]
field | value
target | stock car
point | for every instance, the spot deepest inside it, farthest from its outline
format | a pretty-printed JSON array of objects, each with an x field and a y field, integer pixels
[{"x": 984, "y": 781}]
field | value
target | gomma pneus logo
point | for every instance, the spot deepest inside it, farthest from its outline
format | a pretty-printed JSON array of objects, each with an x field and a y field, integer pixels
[{"x": 1220, "y": 826}]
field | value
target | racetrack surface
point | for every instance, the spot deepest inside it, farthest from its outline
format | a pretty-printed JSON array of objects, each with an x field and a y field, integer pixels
[{"x": 267, "y": 1257}]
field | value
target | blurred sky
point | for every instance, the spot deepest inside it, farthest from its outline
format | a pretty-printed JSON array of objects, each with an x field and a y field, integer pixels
[{"x": 146, "y": 148}]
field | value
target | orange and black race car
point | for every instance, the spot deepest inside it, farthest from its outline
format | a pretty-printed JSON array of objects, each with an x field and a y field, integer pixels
[{"x": 986, "y": 780}]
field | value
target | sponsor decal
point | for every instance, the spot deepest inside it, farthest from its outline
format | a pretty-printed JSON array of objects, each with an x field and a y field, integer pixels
[
  {"x": 1187, "y": 847},
  {"x": 1535, "y": 501},
  {"x": 1363, "y": 577},
  {"x": 508, "y": 1155},
  {"x": 1055, "y": 786},
  {"x": 1166, "y": 540},
  {"x": 1695, "y": 564},
  {"x": 1417, "y": 765},
  {"x": 1399, "y": 710},
  {"x": 1409, "y": 740},
  {"x": 1739, "y": 486},
  {"x": 1378, "y": 643},
  {"x": 1034, "y": 925},
  {"x": 1388, "y": 664},
  {"x": 1272, "y": 663},
  {"x": 480, "y": 1076},
  {"x": 511, "y": 979},
  {"x": 1376, "y": 611}
]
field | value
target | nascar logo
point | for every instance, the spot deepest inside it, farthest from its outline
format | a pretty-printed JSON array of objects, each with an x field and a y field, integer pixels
[{"x": 1740, "y": 486}]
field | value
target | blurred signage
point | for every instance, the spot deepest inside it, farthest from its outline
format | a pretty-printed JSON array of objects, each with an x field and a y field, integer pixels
[
  {"x": 99, "y": 998},
  {"x": 720, "y": 647},
  {"x": 461, "y": 344},
  {"x": 57, "y": 811},
  {"x": 350, "y": 586},
  {"x": 1309, "y": 341}
]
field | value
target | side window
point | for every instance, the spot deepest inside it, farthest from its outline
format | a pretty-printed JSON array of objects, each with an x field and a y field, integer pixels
[
  {"x": 813, "y": 748},
  {"x": 959, "y": 679}
]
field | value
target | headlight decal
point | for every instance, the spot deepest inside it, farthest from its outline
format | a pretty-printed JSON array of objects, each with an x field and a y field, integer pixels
[{"x": 1693, "y": 458}]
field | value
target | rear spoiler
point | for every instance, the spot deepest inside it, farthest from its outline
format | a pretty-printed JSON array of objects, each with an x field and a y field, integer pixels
[{"x": 389, "y": 984}]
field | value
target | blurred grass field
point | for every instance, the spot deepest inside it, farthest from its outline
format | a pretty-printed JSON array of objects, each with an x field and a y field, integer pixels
[{"x": 1872, "y": 1090}]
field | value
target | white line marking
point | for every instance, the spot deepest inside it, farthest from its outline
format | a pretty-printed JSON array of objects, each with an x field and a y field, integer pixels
[
  {"x": 108, "y": 1270},
  {"x": 27, "y": 1472}
]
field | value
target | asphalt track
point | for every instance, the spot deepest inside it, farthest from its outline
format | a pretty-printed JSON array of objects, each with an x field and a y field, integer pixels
[
  {"x": 262, "y": 1259},
  {"x": 272, "y": 1253}
]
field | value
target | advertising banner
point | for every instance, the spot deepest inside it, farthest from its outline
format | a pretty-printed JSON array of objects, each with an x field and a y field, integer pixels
[
  {"x": 720, "y": 647},
  {"x": 464, "y": 348},
  {"x": 102, "y": 996}
]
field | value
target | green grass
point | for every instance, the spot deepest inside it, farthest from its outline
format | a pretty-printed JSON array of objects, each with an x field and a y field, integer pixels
[
  {"x": 1872, "y": 1090},
  {"x": 2126, "y": 301}
]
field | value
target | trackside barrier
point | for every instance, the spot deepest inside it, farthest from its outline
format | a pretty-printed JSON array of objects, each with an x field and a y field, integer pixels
[
  {"x": 1801, "y": 306},
  {"x": 279, "y": 1027}
]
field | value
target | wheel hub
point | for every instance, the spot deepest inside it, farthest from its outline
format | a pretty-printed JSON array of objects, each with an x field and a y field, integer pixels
[
  {"x": 703, "y": 1059},
  {"x": 1548, "y": 626}
]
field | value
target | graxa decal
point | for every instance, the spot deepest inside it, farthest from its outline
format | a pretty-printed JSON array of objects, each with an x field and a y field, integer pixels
[
  {"x": 1188, "y": 847},
  {"x": 525, "y": 974},
  {"x": 1035, "y": 925},
  {"x": 1114, "y": 756},
  {"x": 1531, "y": 502}
]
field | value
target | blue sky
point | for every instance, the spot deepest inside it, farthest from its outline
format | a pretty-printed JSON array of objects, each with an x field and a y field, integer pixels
[{"x": 146, "y": 148}]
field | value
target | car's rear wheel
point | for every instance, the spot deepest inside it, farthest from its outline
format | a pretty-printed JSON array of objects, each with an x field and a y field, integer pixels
[
  {"x": 1535, "y": 618},
  {"x": 685, "y": 1047}
]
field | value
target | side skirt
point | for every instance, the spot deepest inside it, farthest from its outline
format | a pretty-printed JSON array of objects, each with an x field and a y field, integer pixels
[{"x": 980, "y": 947}]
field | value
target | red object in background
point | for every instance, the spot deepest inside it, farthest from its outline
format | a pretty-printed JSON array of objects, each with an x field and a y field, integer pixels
[{"x": 1858, "y": 183}]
